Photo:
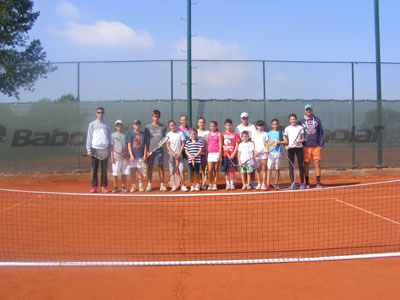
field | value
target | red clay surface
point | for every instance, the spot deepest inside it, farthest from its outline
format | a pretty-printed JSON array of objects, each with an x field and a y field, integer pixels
[{"x": 355, "y": 279}]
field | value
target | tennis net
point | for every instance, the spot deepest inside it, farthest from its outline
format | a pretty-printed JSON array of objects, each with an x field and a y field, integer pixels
[{"x": 41, "y": 228}]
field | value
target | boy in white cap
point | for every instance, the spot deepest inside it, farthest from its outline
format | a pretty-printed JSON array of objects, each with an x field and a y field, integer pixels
[
  {"x": 119, "y": 154},
  {"x": 314, "y": 144}
]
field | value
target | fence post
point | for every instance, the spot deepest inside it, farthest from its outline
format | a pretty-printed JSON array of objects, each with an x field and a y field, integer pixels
[
  {"x": 353, "y": 129},
  {"x": 78, "y": 98},
  {"x": 172, "y": 89},
  {"x": 264, "y": 96}
]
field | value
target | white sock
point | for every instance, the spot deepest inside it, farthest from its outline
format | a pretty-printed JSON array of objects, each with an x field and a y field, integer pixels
[
  {"x": 231, "y": 182},
  {"x": 227, "y": 182}
]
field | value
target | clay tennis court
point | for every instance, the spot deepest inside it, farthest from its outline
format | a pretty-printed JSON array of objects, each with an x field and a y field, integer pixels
[{"x": 217, "y": 227}]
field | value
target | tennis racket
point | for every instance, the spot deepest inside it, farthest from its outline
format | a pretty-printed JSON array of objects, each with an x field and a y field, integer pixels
[
  {"x": 142, "y": 167},
  {"x": 175, "y": 180},
  {"x": 159, "y": 145},
  {"x": 119, "y": 144},
  {"x": 282, "y": 166},
  {"x": 100, "y": 154},
  {"x": 236, "y": 170}
]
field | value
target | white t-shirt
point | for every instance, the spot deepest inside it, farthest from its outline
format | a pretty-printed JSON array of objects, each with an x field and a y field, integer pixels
[
  {"x": 175, "y": 141},
  {"x": 250, "y": 128},
  {"x": 294, "y": 133},
  {"x": 202, "y": 136},
  {"x": 245, "y": 150},
  {"x": 260, "y": 139}
]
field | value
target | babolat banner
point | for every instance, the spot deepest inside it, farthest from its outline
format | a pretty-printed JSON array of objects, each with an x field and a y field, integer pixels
[{"x": 51, "y": 137}]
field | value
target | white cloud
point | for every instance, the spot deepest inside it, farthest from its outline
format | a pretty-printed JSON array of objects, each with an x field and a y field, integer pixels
[
  {"x": 67, "y": 9},
  {"x": 208, "y": 48},
  {"x": 281, "y": 78},
  {"x": 107, "y": 34},
  {"x": 215, "y": 74}
]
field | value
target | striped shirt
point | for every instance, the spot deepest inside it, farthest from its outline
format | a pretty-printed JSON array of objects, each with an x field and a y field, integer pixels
[{"x": 193, "y": 147}]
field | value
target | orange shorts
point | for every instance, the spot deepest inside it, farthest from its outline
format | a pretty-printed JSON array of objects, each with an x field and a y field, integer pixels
[{"x": 311, "y": 152}]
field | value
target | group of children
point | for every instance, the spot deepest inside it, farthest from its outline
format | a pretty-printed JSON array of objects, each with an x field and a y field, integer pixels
[{"x": 205, "y": 151}]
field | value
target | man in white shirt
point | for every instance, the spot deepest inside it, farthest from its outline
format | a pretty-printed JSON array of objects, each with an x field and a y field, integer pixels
[
  {"x": 98, "y": 138},
  {"x": 245, "y": 125},
  {"x": 251, "y": 129}
]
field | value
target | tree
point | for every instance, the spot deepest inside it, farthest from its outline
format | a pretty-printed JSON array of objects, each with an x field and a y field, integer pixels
[
  {"x": 21, "y": 64},
  {"x": 66, "y": 98}
]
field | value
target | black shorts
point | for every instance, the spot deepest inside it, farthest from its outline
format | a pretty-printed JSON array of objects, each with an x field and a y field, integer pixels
[
  {"x": 225, "y": 163},
  {"x": 195, "y": 168}
]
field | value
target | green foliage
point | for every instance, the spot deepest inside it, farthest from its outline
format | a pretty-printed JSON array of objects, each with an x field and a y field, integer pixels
[
  {"x": 66, "y": 98},
  {"x": 21, "y": 64}
]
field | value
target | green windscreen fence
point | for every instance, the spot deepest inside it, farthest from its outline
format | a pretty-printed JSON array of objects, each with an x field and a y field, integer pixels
[{"x": 51, "y": 136}]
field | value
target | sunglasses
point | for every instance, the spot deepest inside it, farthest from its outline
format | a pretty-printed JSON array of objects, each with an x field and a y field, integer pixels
[{"x": 100, "y": 112}]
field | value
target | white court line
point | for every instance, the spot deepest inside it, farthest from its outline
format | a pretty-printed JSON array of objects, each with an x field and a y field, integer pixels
[
  {"x": 193, "y": 262},
  {"x": 20, "y": 203},
  {"x": 152, "y": 195},
  {"x": 367, "y": 211}
]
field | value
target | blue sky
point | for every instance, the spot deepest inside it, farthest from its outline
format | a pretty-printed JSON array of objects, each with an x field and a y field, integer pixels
[
  {"x": 337, "y": 30},
  {"x": 311, "y": 30}
]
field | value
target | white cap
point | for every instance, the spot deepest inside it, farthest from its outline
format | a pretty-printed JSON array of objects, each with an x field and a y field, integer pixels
[
  {"x": 118, "y": 122},
  {"x": 244, "y": 115}
]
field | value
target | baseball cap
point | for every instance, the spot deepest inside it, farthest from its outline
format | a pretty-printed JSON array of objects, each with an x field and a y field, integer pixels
[
  {"x": 244, "y": 115},
  {"x": 118, "y": 122},
  {"x": 136, "y": 122},
  {"x": 308, "y": 106}
]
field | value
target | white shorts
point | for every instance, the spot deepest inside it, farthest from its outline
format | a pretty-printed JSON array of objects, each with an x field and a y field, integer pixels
[
  {"x": 134, "y": 164},
  {"x": 212, "y": 157},
  {"x": 262, "y": 156},
  {"x": 271, "y": 157},
  {"x": 121, "y": 167}
]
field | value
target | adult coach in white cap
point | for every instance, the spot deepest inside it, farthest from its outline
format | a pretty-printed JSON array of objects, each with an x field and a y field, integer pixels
[
  {"x": 314, "y": 144},
  {"x": 245, "y": 125},
  {"x": 251, "y": 129}
]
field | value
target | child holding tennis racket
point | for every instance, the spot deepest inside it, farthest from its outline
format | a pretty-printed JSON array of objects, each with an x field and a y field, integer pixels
[
  {"x": 137, "y": 147},
  {"x": 175, "y": 145},
  {"x": 214, "y": 149},
  {"x": 275, "y": 136},
  {"x": 193, "y": 148},
  {"x": 202, "y": 134},
  {"x": 118, "y": 155},
  {"x": 245, "y": 154},
  {"x": 295, "y": 136},
  {"x": 155, "y": 133},
  {"x": 260, "y": 139},
  {"x": 231, "y": 143}
]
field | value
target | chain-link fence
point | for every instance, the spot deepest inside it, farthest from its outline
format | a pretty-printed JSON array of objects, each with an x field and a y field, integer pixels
[{"x": 46, "y": 131}]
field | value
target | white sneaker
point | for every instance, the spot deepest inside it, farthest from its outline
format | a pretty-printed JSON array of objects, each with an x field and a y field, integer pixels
[
  {"x": 203, "y": 186},
  {"x": 263, "y": 187},
  {"x": 228, "y": 187},
  {"x": 210, "y": 187},
  {"x": 244, "y": 187},
  {"x": 214, "y": 187},
  {"x": 232, "y": 186},
  {"x": 258, "y": 187},
  {"x": 197, "y": 188},
  {"x": 184, "y": 188},
  {"x": 192, "y": 188},
  {"x": 173, "y": 189}
]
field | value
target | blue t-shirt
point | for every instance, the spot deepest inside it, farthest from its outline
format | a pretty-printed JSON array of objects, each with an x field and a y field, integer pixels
[
  {"x": 274, "y": 136},
  {"x": 137, "y": 140}
]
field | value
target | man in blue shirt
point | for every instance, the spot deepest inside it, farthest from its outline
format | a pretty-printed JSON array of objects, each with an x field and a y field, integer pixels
[{"x": 314, "y": 144}]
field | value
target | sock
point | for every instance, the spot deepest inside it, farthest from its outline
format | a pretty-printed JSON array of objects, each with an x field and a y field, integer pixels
[
  {"x": 140, "y": 184},
  {"x": 307, "y": 180},
  {"x": 162, "y": 184},
  {"x": 231, "y": 182},
  {"x": 227, "y": 182},
  {"x": 318, "y": 179},
  {"x": 133, "y": 185}
]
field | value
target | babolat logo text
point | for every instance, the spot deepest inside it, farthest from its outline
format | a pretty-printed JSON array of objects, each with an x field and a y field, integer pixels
[
  {"x": 3, "y": 133},
  {"x": 25, "y": 137}
]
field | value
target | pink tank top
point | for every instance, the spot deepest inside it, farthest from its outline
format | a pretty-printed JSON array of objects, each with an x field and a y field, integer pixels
[{"x": 213, "y": 143}]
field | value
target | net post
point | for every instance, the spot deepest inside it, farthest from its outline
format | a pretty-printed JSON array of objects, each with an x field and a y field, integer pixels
[{"x": 264, "y": 93}]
